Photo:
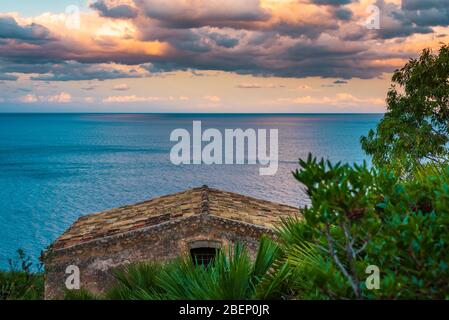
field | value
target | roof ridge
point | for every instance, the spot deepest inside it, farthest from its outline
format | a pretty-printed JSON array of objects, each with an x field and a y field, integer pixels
[
  {"x": 204, "y": 207},
  {"x": 255, "y": 198}
]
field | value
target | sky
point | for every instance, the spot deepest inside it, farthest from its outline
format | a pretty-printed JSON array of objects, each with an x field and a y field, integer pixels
[{"x": 293, "y": 56}]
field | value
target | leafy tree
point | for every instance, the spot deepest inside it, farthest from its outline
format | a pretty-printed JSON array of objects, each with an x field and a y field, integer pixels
[
  {"x": 340, "y": 201},
  {"x": 415, "y": 128},
  {"x": 360, "y": 217}
]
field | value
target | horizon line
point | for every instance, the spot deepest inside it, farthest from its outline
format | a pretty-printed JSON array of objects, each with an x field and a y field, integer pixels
[{"x": 204, "y": 113}]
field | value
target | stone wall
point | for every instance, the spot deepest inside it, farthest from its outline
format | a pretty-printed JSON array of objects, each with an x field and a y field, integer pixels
[{"x": 162, "y": 242}]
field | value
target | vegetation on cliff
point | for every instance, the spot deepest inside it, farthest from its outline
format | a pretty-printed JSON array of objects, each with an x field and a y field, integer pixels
[{"x": 20, "y": 281}]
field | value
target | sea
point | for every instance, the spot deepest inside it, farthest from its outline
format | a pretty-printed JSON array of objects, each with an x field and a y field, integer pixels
[{"x": 55, "y": 168}]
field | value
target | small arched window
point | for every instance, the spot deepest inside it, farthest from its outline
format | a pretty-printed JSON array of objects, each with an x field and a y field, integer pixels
[
  {"x": 203, "y": 256},
  {"x": 204, "y": 252}
]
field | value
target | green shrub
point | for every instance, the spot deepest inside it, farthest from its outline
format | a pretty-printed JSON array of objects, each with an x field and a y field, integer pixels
[
  {"x": 20, "y": 282},
  {"x": 360, "y": 217}
]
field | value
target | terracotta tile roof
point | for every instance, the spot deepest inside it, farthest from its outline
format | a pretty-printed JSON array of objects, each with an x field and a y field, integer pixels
[
  {"x": 194, "y": 201},
  {"x": 247, "y": 209}
]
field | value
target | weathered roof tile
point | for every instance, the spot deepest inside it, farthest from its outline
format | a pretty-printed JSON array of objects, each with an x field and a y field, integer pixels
[{"x": 204, "y": 200}]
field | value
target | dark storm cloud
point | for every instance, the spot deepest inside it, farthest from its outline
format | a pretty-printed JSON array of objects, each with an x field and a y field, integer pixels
[
  {"x": 300, "y": 60},
  {"x": 343, "y": 14},
  {"x": 181, "y": 14},
  {"x": 256, "y": 53},
  {"x": 424, "y": 4},
  {"x": 332, "y": 2},
  {"x": 17, "y": 66},
  {"x": 122, "y": 11},
  {"x": 10, "y": 29},
  {"x": 302, "y": 51},
  {"x": 245, "y": 15},
  {"x": 412, "y": 17},
  {"x": 225, "y": 35},
  {"x": 310, "y": 30},
  {"x": 190, "y": 40},
  {"x": 65, "y": 71},
  {"x": 8, "y": 77},
  {"x": 433, "y": 17},
  {"x": 428, "y": 13},
  {"x": 397, "y": 23},
  {"x": 402, "y": 31},
  {"x": 224, "y": 40},
  {"x": 75, "y": 71}
]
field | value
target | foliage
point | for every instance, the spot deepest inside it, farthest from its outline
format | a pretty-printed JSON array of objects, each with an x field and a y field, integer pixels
[
  {"x": 360, "y": 217},
  {"x": 19, "y": 282},
  {"x": 136, "y": 280},
  {"x": 81, "y": 294},
  {"x": 415, "y": 130},
  {"x": 310, "y": 274}
]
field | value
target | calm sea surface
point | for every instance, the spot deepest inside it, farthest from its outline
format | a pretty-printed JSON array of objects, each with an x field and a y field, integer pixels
[{"x": 57, "y": 167}]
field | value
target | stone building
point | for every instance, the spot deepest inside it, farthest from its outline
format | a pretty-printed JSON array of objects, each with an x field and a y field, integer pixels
[{"x": 197, "y": 221}]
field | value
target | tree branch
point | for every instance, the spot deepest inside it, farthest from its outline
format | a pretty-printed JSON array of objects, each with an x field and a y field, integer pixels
[{"x": 342, "y": 268}]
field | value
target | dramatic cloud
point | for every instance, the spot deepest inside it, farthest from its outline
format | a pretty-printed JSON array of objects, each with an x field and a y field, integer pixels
[
  {"x": 332, "y": 2},
  {"x": 199, "y": 13},
  {"x": 423, "y": 5},
  {"x": 9, "y": 29},
  {"x": 99, "y": 40},
  {"x": 73, "y": 71},
  {"x": 343, "y": 14},
  {"x": 396, "y": 22},
  {"x": 139, "y": 38},
  {"x": 121, "y": 11},
  {"x": 427, "y": 13},
  {"x": 224, "y": 40},
  {"x": 8, "y": 77}
]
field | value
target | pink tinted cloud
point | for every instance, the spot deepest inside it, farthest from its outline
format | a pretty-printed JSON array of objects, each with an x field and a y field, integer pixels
[{"x": 139, "y": 38}]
